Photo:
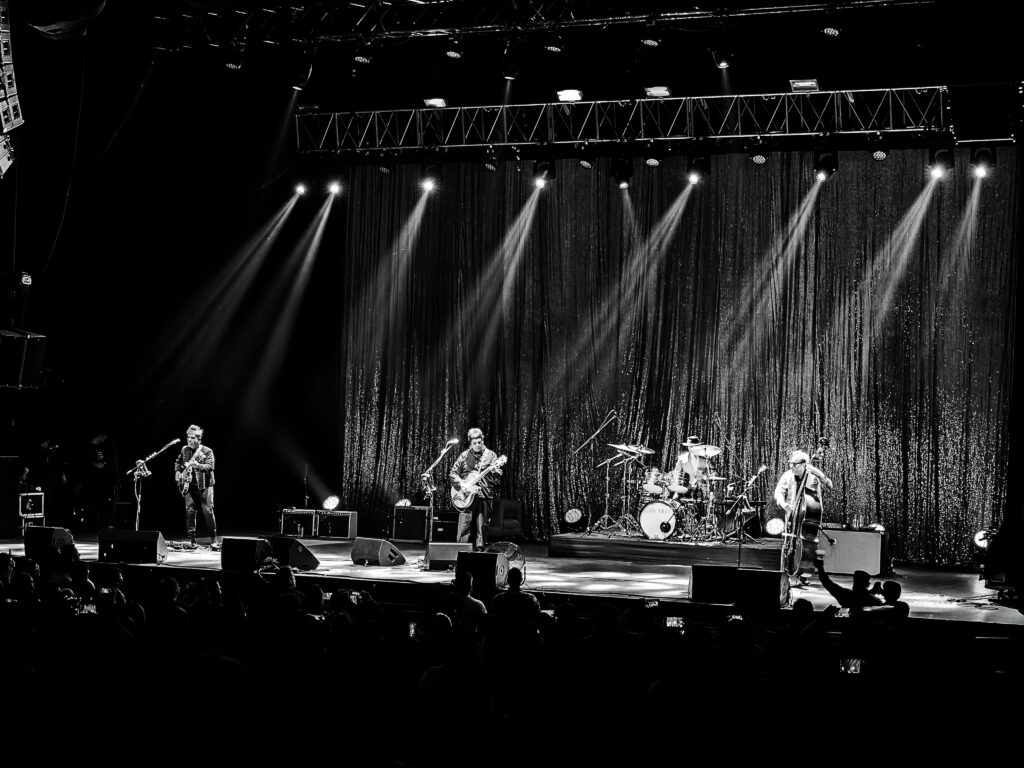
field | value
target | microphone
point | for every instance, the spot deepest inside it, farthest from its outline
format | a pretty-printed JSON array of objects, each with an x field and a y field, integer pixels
[
  {"x": 175, "y": 441},
  {"x": 760, "y": 469},
  {"x": 453, "y": 441}
]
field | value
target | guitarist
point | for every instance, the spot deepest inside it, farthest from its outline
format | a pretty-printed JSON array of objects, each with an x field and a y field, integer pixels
[
  {"x": 193, "y": 471},
  {"x": 789, "y": 484},
  {"x": 478, "y": 458}
]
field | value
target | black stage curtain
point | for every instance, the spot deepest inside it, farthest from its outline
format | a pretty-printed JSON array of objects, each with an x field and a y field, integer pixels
[{"x": 757, "y": 311}]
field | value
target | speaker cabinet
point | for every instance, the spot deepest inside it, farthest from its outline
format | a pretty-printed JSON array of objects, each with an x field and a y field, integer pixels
[
  {"x": 42, "y": 543},
  {"x": 442, "y": 555},
  {"x": 132, "y": 547},
  {"x": 713, "y": 583},
  {"x": 244, "y": 553},
  {"x": 409, "y": 523},
  {"x": 489, "y": 569},
  {"x": 749, "y": 588},
  {"x": 853, "y": 551},
  {"x": 289, "y": 551},
  {"x": 444, "y": 530},
  {"x": 366, "y": 551}
]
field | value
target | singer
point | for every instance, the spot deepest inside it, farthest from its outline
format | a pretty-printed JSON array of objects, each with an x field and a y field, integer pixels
[
  {"x": 193, "y": 471},
  {"x": 476, "y": 460},
  {"x": 785, "y": 490}
]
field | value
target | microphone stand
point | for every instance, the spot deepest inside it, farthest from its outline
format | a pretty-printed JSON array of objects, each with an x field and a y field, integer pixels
[
  {"x": 612, "y": 416},
  {"x": 739, "y": 520},
  {"x": 430, "y": 490},
  {"x": 139, "y": 471}
]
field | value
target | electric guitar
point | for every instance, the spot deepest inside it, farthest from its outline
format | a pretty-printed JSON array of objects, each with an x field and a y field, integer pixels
[
  {"x": 470, "y": 488},
  {"x": 189, "y": 472}
]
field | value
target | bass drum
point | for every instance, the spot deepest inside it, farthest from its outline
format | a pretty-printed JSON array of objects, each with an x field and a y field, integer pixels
[{"x": 658, "y": 520}]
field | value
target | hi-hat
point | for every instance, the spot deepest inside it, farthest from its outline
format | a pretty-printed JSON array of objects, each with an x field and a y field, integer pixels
[
  {"x": 705, "y": 451},
  {"x": 640, "y": 449}
]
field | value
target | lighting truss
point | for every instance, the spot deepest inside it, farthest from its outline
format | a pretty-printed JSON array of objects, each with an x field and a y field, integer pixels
[{"x": 911, "y": 111}]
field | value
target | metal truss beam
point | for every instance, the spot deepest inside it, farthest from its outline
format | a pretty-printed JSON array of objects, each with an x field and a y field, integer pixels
[{"x": 713, "y": 118}]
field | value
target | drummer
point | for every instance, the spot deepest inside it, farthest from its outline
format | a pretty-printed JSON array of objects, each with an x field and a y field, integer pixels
[{"x": 688, "y": 471}]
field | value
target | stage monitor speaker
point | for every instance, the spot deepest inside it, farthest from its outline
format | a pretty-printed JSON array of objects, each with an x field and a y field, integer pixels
[
  {"x": 713, "y": 583},
  {"x": 853, "y": 551},
  {"x": 444, "y": 530},
  {"x": 244, "y": 553},
  {"x": 409, "y": 523},
  {"x": 43, "y": 543},
  {"x": 132, "y": 546},
  {"x": 291, "y": 551},
  {"x": 367, "y": 551},
  {"x": 489, "y": 569},
  {"x": 762, "y": 590},
  {"x": 442, "y": 555}
]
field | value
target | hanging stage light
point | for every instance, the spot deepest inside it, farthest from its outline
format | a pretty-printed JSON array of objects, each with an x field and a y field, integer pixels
[
  {"x": 622, "y": 171},
  {"x": 543, "y": 172},
  {"x": 826, "y": 163},
  {"x": 940, "y": 161},
  {"x": 983, "y": 160},
  {"x": 698, "y": 169}
]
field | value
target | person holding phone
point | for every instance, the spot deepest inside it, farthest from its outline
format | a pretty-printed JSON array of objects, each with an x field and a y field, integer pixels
[{"x": 859, "y": 596}]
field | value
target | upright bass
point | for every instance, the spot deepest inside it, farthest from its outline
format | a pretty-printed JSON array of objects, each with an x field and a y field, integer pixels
[{"x": 800, "y": 538}]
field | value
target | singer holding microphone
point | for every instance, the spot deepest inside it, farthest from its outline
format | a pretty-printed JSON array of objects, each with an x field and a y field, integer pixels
[{"x": 193, "y": 471}]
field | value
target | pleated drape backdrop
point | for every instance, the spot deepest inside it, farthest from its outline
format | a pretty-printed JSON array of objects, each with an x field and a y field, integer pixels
[{"x": 759, "y": 311}]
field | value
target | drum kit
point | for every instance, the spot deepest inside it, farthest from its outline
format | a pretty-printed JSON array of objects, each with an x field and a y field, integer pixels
[{"x": 672, "y": 505}]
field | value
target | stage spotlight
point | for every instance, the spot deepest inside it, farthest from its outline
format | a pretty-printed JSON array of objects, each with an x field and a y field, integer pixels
[
  {"x": 983, "y": 160},
  {"x": 553, "y": 43},
  {"x": 331, "y": 502},
  {"x": 576, "y": 519},
  {"x": 454, "y": 49},
  {"x": 234, "y": 56},
  {"x": 722, "y": 59},
  {"x": 940, "y": 161},
  {"x": 826, "y": 163},
  {"x": 491, "y": 160},
  {"x": 775, "y": 526},
  {"x": 437, "y": 103},
  {"x": 362, "y": 54},
  {"x": 300, "y": 83},
  {"x": 622, "y": 171},
  {"x": 430, "y": 177},
  {"x": 698, "y": 169},
  {"x": 334, "y": 188},
  {"x": 300, "y": 189},
  {"x": 658, "y": 91},
  {"x": 543, "y": 172},
  {"x": 652, "y": 157},
  {"x": 983, "y": 538},
  {"x": 570, "y": 94},
  {"x": 759, "y": 153},
  {"x": 510, "y": 61}
]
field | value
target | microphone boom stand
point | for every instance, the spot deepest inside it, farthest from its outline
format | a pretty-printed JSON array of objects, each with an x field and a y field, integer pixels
[
  {"x": 139, "y": 471},
  {"x": 430, "y": 490}
]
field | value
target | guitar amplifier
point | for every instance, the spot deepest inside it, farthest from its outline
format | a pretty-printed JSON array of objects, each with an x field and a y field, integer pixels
[
  {"x": 409, "y": 524},
  {"x": 444, "y": 528},
  {"x": 854, "y": 551}
]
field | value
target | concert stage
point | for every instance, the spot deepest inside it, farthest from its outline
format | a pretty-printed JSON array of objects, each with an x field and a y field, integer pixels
[{"x": 587, "y": 568}]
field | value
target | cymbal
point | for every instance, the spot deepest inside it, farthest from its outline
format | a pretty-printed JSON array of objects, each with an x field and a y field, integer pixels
[
  {"x": 640, "y": 449},
  {"x": 713, "y": 477},
  {"x": 623, "y": 447},
  {"x": 705, "y": 451}
]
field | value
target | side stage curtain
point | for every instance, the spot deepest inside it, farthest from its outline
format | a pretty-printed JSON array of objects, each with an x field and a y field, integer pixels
[{"x": 758, "y": 311}]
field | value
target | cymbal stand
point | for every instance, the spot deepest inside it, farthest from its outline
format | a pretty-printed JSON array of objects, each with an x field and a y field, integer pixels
[
  {"x": 605, "y": 520},
  {"x": 626, "y": 522}
]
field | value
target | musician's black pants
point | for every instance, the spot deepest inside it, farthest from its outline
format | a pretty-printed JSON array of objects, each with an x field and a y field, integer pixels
[
  {"x": 472, "y": 522},
  {"x": 204, "y": 499}
]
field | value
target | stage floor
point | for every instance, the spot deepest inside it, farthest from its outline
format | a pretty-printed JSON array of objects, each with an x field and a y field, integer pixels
[{"x": 932, "y": 594}]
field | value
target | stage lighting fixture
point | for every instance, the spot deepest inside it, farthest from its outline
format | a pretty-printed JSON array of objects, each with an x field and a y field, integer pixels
[
  {"x": 510, "y": 61},
  {"x": 722, "y": 59},
  {"x": 362, "y": 54},
  {"x": 300, "y": 83},
  {"x": 234, "y": 56},
  {"x": 830, "y": 31},
  {"x": 940, "y": 161},
  {"x": 775, "y": 526},
  {"x": 826, "y": 163},
  {"x": 543, "y": 172},
  {"x": 983, "y": 160},
  {"x": 430, "y": 178},
  {"x": 491, "y": 160},
  {"x": 622, "y": 171},
  {"x": 454, "y": 49},
  {"x": 25, "y": 279},
  {"x": 334, "y": 188},
  {"x": 983, "y": 538},
  {"x": 331, "y": 502},
  {"x": 6, "y": 155},
  {"x": 403, "y": 503},
  {"x": 436, "y": 103},
  {"x": 658, "y": 91},
  {"x": 553, "y": 43},
  {"x": 652, "y": 157},
  {"x": 570, "y": 94},
  {"x": 586, "y": 158},
  {"x": 698, "y": 169},
  {"x": 806, "y": 85},
  {"x": 758, "y": 153},
  {"x": 300, "y": 189}
]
